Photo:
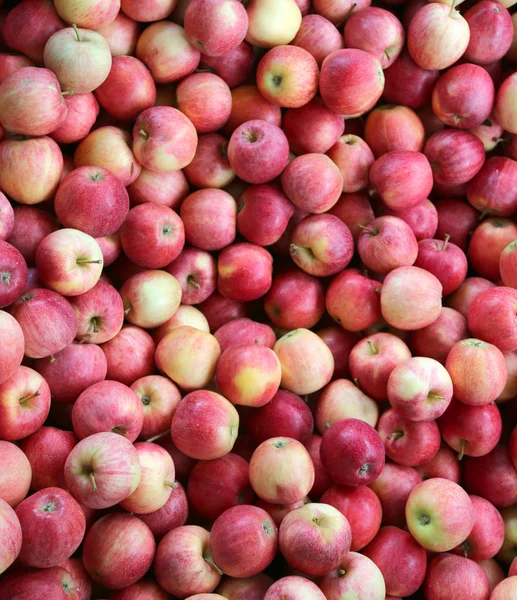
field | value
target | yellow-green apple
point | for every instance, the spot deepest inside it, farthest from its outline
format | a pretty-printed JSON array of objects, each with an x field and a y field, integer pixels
[
  {"x": 130, "y": 355},
  {"x": 244, "y": 272},
  {"x": 31, "y": 102},
  {"x": 358, "y": 576},
  {"x": 243, "y": 541},
  {"x": 128, "y": 90},
  {"x": 439, "y": 514},
  {"x": 321, "y": 245},
  {"x": 9, "y": 63},
  {"x": 315, "y": 529},
  {"x": 437, "y": 36},
  {"x": 13, "y": 274},
  {"x": 165, "y": 49},
  {"x": 307, "y": 362},
  {"x": 48, "y": 322},
  {"x": 401, "y": 560},
  {"x": 216, "y": 27},
  {"x": 422, "y": 218},
  {"x": 216, "y": 485},
  {"x": 341, "y": 399},
  {"x": 286, "y": 415},
  {"x": 168, "y": 189},
  {"x": 90, "y": 14},
  {"x": 340, "y": 343},
  {"x": 387, "y": 243},
  {"x": 188, "y": 356},
  {"x": 184, "y": 564},
  {"x": 249, "y": 375},
  {"x": 56, "y": 582},
  {"x": 409, "y": 443},
  {"x": 235, "y": 67},
  {"x": 12, "y": 350},
  {"x": 281, "y": 471},
  {"x": 185, "y": 315},
  {"x": 159, "y": 398},
  {"x": 150, "y": 298},
  {"x": 360, "y": 444},
  {"x": 294, "y": 587},
  {"x": 118, "y": 550},
  {"x": 205, "y": 425},
  {"x": 30, "y": 169},
  {"x": 451, "y": 576},
  {"x": 47, "y": 450},
  {"x": 364, "y": 310},
  {"x": 153, "y": 10},
  {"x": 72, "y": 370},
  {"x": 457, "y": 219},
  {"x": 69, "y": 262},
  {"x": 338, "y": 74},
  {"x": 11, "y": 536},
  {"x": 244, "y": 331},
  {"x": 492, "y": 189},
  {"x": 92, "y": 200},
  {"x": 171, "y": 515},
  {"x": 121, "y": 34},
  {"x": 318, "y": 36},
  {"x": 219, "y": 310},
  {"x": 313, "y": 182},
  {"x": 444, "y": 464},
  {"x": 102, "y": 470},
  {"x": 31, "y": 225},
  {"x": 258, "y": 151},
  {"x": 411, "y": 298},
  {"x": 15, "y": 480},
  {"x": 156, "y": 480},
  {"x": 295, "y": 299},
  {"x": 53, "y": 526},
  {"x": 503, "y": 108},
  {"x": 210, "y": 166},
  {"x": 373, "y": 359},
  {"x": 391, "y": 127},
  {"x": 6, "y": 217},
  {"x": 247, "y": 588},
  {"x": 248, "y": 104},
  {"x": 108, "y": 406},
  {"x": 80, "y": 58},
  {"x": 110, "y": 148},
  {"x": 477, "y": 370},
  {"x": 272, "y": 23},
  {"x": 353, "y": 157},
  {"x": 82, "y": 112},
  {"x": 491, "y": 32},
  {"x": 465, "y": 294},
  {"x": 99, "y": 312}
]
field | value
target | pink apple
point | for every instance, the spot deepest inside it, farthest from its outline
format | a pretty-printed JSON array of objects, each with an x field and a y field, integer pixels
[
  {"x": 407, "y": 83},
  {"x": 467, "y": 292},
  {"x": 422, "y": 218},
  {"x": 110, "y": 248},
  {"x": 15, "y": 480},
  {"x": 9, "y": 63},
  {"x": 234, "y": 67},
  {"x": 503, "y": 108},
  {"x": 55, "y": 582},
  {"x": 11, "y": 352},
  {"x": 443, "y": 464},
  {"x": 244, "y": 332},
  {"x": 210, "y": 166},
  {"x": 6, "y": 217},
  {"x": 357, "y": 575},
  {"x": 505, "y": 589},
  {"x": 319, "y": 36},
  {"x": 31, "y": 226},
  {"x": 445, "y": 260},
  {"x": 389, "y": 127},
  {"x": 11, "y": 536},
  {"x": 159, "y": 398},
  {"x": 488, "y": 240},
  {"x": 82, "y": 112},
  {"x": 457, "y": 219},
  {"x": 248, "y": 104},
  {"x": 171, "y": 515},
  {"x": 493, "y": 571},
  {"x": 121, "y": 34},
  {"x": 490, "y": 32},
  {"x": 168, "y": 189},
  {"x": 247, "y": 588},
  {"x": 353, "y": 157},
  {"x": 492, "y": 190},
  {"x": 154, "y": 10},
  {"x": 185, "y": 315},
  {"x": 148, "y": 588}
]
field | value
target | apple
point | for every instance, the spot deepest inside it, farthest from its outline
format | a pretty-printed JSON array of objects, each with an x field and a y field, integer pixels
[
  {"x": 55, "y": 582},
  {"x": 493, "y": 571},
  {"x": 338, "y": 73},
  {"x": 322, "y": 480},
  {"x": 503, "y": 109},
  {"x": 489, "y": 132},
  {"x": 30, "y": 169},
  {"x": 390, "y": 127},
  {"x": 244, "y": 272},
  {"x": 185, "y": 315},
  {"x": 492, "y": 189},
  {"x": 377, "y": 31},
  {"x": 90, "y": 14},
  {"x": 443, "y": 464},
  {"x": 244, "y": 331},
  {"x": 437, "y": 36},
  {"x": 11, "y": 352},
  {"x": 118, "y": 550},
  {"x": 408, "y": 443},
  {"x": 465, "y": 294},
  {"x": 164, "y": 139},
  {"x": 11, "y": 531},
  {"x": 82, "y": 112},
  {"x": 168, "y": 189},
  {"x": 505, "y": 531},
  {"x": 210, "y": 166},
  {"x": 53, "y": 527},
  {"x": 147, "y": 588},
  {"x": 121, "y": 34},
  {"x": 184, "y": 564},
  {"x": 353, "y": 157},
  {"x": 165, "y": 49},
  {"x": 159, "y": 398},
  {"x": 248, "y": 104},
  {"x": 491, "y": 32},
  {"x": 171, "y": 515},
  {"x": 31, "y": 102},
  {"x": 243, "y": 541},
  {"x": 219, "y": 310},
  {"x": 445, "y": 260},
  {"x": 411, "y": 298},
  {"x": 357, "y": 575},
  {"x": 407, "y": 83},
  {"x": 457, "y": 219},
  {"x": 247, "y": 588},
  {"x": 319, "y": 36},
  {"x": 188, "y": 356},
  {"x": 510, "y": 359},
  {"x": 449, "y": 574},
  {"x": 272, "y": 22},
  {"x": 15, "y": 480},
  {"x": 340, "y": 343},
  {"x": 6, "y": 217},
  {"x": 31, "y": 226},
  {"x": 47, "y": 450},
  {"x": 9, "y": 63},
  {"x": 505, "y": 589},
  {"x": 205, "y": 425},
  {"x": 295, "y": 299},
  {"x": 234, "y": 67},
  {"x": 489, "y": 239}
]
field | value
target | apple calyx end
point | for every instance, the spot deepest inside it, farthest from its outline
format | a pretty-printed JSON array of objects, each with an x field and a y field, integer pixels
[
  {"x": 28, "y": 397},
  {"x": 424, "y": 520}
]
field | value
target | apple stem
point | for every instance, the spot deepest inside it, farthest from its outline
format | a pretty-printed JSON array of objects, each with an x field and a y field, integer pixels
[
  {"x": 144, "y": 134},
  {"x": 211, "y": 562},
  {"x": 356, "y": 383},
  {"x": 482, "y": 214},
  {"x": 453, "y": 7},
  {"x": 74, "y": 26},
  {"x": 92, "y": 481},
  {"x": 85, "y": 261},
  {"x": 29, "y": 397},
  {"x": 250, "y": 135},
  {"x": 341, "y": 573},
  {"x": 67, "y": 93},
  {"x": 446, "y": 241},
  {"x": 395, "y": 435},
  {"x": 52, "y": 358},
  {"x": 94, "y": 324},
  {"x": 373, "y": 347},
  {"x": 191, "y": 281},
  {"x": 158, "y": 436},
  {"x": 170, "y": 484},
  {"x": 127, "y": 310},
  {"x": 368, "y": 229},
  {"x": 461, "y": 453}
]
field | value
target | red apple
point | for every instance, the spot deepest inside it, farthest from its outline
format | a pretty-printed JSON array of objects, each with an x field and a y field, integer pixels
[
  {"x": 6, "y": 217},
  {"x": 234, "y": 67},
  {"x": 353, "y": 157},
  {"x": 247, "y": 588},
  {"x": 487, "y": 243},
  {"x": 11, "y": 352},
  {"x": 445, "y": 260},
  {"x": 322, "y": 480},
  {"x": 147, "y": 588},
  {"x": 491, "y": 32},
  {"x": 9, "y": 63},
  {"x": 389, "y": 127},
  {"x": 407, "y": 83},
  {"x": 449, "y": 575},
  {"x": 239, "y": 332},
  {"x": 443, "y": 464},
  {"x": 465, "y": 294},
  {"x": 244, "y": 272},
  {"x": 219, "y": 310},
  {"x": 422, "y": 218},
  {"x": 11, "y": 537},
  {"x": 490, "y": 317},
  {"x": 319, "y": 36},
  {"x": 168, "y": 189},
  {"x": 159, "y": 398},
  {"x": 171, "y": 515},
  {"x": 493, "y": 571},
  {"x": 457, "y": 219},
  {"x": 15, "y": 480},
  {"x": 248, "y": 104},
  {"x": 340, "y": 343},
  {"x": 56, "y": 583},
  {"x": 356, "y": 576},
  {"x": 82, "y": 112},
  {"x": 31, "y": 226},
  {"x": 492, "y": 190},
  {"x": 210, "y": 166}
]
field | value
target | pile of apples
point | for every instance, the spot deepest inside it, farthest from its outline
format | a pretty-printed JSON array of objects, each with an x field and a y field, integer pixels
[{"x": 258, "y": 292}]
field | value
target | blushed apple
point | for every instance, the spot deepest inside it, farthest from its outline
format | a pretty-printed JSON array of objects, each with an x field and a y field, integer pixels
[
  {"x": 248, "y": 104},
  {"x": 82, "y": 112},
  {"x": 31, "y": 226},
  {"x": 168, "y": 189},
  {"x": 121, "y": 34},
  {"x": 91, "y": 14},
  {"x": 492, "y": 189},
  {"x": 171, "y": 515},
  {"x": 15, "y": 480},
  {"x": 234, "y": 67},
  {"x": 11, "y": 535},
  {"x": 319, "y": 36},
  {"x": 244, "y": 272},
  {"x": 503, "y": 110},
  {"x": 488, "y": 240},
  {"x": 185, "y": 315},
  {"x": 272, "y": 23},
  {"x": 210, "y": 166},
  {"x": 244, "y": 331},
  {"x": 11, "y": 353},
  {"x": 356, "y": 575},
  {"x": 443, "y": 464},
  {"x": 159, "y": 398},
  {"x": 353, "y": 157},
  {"x": 390, "y": 127}
]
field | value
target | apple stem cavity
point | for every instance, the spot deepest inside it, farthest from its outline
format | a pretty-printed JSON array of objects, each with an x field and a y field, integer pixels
[
  {"x": 48, "y": 507},
  {"x": 28, "y": 397},
  {"x": 144, "y": 134},
  {"x": 94, "y": 324},
  {"x": 6, "y": 277},
  {"x": 395, "y": 435},
  {"x": 250, "y": 136},
  {"x": 92, "y": 481},
  {"x": 170, "y": 484},
  {"x": 208, "y": 559},
  {"x": 77, "y": 36},
  {"x": 445, "y": 241},
  {"x": 191, "y": 281},
  {"x": 368, "y": 229},
  {"x": 461, "y": 453}
]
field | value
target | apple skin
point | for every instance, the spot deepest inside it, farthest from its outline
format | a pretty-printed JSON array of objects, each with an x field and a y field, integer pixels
[
  {"x": 465, "y": 294},
  {"x": 30, "y": 169},
  {"x": 6, "y": 217},
  {"x": 244, "y": 272},
  {"x": 9, "y": 63},
  {"x": 492, "y": 189},
  {"x": 503, "y": 110},
  {"x": 406, "y": 288},
  {"x": 307, "y": 362},
  {"x": 505, "y": 589},
  {"x": 508, "y": 393},
  {"x": 243, "y": 541},
  {"x": 356, "y": 576},
  {"x": 361, "y": 444},
  {"x": 13, "y": 274},
  {"x": 404, "y": 574},
  {"x": 11, "y": 352},
  {"x": 507, "y": 265},
  {"x": 272, "y": 23},
  {"x": 497, "y": 481},
  {"x": 47, "y": 450},
  {"x": 185, "y": 315},
  {"x": 457, "y": 219},
  {"x": 340, "y": 343},
  {"x": 491, "y": 32},
  {"x": 489, "y": 239},
  {"x": 295, "y": 299},
  {"x": 248, "y": 588},
  {"x": 443, "y": 464},
  {"x": 281, "y": 471},
  {"x": 494, "y": 572},
  {"x": 408, "y": 443},
  {"x": 184, "y": 564},
  {"x": 25, "y": 583},
  {"x": 361, "y": 313},
  {"x": 159, "y": 398},
  {"x": 248, "y": 104},
  {"x": 244, "y": 332},
  {"x": 205, "y": 425},
  {"x": 168, "y": 189},
  {"x": 387, "y": 243},
  {"x": 322, "y": 480},
  {"x": 407, "y": 83},
  {"x": 505, "y": 532},
  {"x": 318, "y": 36},
  {"x": 109, "y": 554},
  {"x": 91, "y": 14},
  {"x": 171, "y": 515},
  {"x": 145, "y": 588},
  {"x": 155, "y": 10},
  {"x": 278, "y": 511},
  {"x": 36, "y": 109},
  {"x": 210, "y": 166},
  {"x": 339, "y": 73},
  {"x": 398, "y": 192},
  {"x": 427, "y": 31},
  {"x": 15, "y": 480},
  {"x": 11, "y": 531},
  {"x": 448, "y": 575},
  {"x": 113, "y": 463},
  {"x": 82, "y": 112},
  {"x": 55, "y": 525},
  {"x": 389, "y": 127},
  {"x": 490, "y": 317},
  {"x": 353, "y": 157},
  {"x": 445, "y": 260},
  {"x": 219, "y": 310},
  {"x": 235, "y": 67},
  {"x": 210, "y": 219},
  {"x": 31, "y": 226}
]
